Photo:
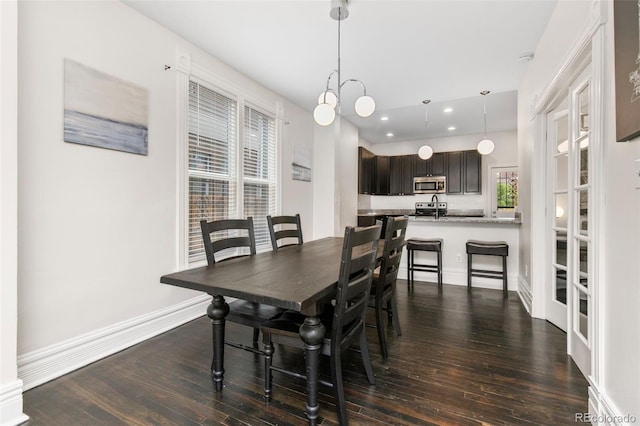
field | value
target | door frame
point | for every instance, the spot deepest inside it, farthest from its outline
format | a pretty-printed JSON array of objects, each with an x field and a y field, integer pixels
[{"x": 589, "y": 48}]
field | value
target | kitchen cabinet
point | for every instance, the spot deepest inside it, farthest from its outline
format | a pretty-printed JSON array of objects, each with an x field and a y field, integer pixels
[
  {"x": 366, "y": 171},
  {"x": 401, "y": 175},
  {"x": 472, "y": 161},
  {"x": 464, "y": 172},
  {"x": 434, "y": 166},
  {"x": 381, "y": 175},
  {"x": 454, "y": 163}
]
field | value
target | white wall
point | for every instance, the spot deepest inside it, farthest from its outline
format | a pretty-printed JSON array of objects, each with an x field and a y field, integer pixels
[
  {"x": 619, "y": 322},
  {"x": 505, "y": 153},
  {"x": 10, "y": 386},
  {"x": 97, "y": 228}
]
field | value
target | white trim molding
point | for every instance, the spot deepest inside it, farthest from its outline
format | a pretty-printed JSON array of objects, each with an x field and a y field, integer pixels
[
  {"x": 11, "y": 404},
  {"x": 524, "y": 291},
  {"x": 603, "y": 412},
  {"x": 38, "y": 367}
]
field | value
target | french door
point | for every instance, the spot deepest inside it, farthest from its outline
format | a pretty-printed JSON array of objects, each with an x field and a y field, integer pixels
[{"x": 569, "y": 232}]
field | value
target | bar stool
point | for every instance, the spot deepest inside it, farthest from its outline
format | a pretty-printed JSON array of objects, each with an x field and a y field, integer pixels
[
  {"x": 419, "y": 244},
  {"x": 487, "y": 248}
]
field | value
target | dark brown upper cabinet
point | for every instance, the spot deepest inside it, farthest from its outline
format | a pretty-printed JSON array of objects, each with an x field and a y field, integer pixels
[
  {"x": 401, "y": 175},
  {"x": 434, "y": 166},
  {"x": 366, "y": 170},
  {"x": 464, "y": 172},
  {"x": 381, "y": 175}
]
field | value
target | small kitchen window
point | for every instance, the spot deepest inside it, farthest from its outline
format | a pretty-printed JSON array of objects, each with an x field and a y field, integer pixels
[{"x": 504, "y": 192}]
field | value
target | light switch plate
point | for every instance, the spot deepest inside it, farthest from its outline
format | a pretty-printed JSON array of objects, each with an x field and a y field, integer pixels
[{"x": 636, "y": 172}]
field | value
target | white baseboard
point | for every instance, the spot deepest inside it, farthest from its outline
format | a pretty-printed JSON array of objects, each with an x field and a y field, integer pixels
[
  {"x": 11, "y": 404},
  {"x": 524, "y": 291},
  {"x": 459, "y": 277},
  {"x": 602, "y": 411},
  {"x": 38, "y": 367}
]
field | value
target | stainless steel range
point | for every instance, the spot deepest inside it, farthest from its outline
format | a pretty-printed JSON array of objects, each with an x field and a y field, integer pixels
[{"x": 431, "y": 208}]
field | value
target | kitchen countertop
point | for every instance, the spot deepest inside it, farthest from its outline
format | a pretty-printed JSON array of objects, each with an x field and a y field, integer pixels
[{"x": 453, "y": 216}]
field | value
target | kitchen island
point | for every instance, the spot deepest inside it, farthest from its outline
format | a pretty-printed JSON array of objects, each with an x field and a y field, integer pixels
[{"x": 455, "y": 231}]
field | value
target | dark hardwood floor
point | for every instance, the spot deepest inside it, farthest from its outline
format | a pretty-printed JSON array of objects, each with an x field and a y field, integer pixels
[{"x": 463, "y": 360}]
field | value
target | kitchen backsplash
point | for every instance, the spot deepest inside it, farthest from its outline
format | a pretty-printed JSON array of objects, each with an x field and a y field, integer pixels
[{"x": 460, "y": 202}]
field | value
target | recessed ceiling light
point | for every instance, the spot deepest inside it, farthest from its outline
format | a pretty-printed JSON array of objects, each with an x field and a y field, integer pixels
[
  {"x": 448, "y": 109},
  {"x": 389, "y": 134},
  {"x": 451, "y": 128},
  {"x": 384, "y": 118}
]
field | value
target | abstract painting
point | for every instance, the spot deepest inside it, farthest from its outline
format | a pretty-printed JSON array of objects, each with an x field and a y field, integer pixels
[
  {"x": 301, "y": 164},
  {"x": 103, "y": 111},
  {"x": 626, "y": 15}
]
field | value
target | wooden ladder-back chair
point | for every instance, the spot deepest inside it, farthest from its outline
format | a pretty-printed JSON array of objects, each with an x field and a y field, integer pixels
[
  {"x": 240, "y": 311},
  {"x": 383, "y": 290},
  {"x": 343, "y": 319},
  {"x": 289, "y": 227}
]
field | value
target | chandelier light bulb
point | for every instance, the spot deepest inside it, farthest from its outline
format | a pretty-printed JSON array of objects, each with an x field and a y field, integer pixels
[
  {"x": 365, "y": 106},
  {"x": 425, "y": 152},
  {"x": 324, "y": 114},
  {"x": 486, "y": 146},
  {"x": 330, "y": 98}
]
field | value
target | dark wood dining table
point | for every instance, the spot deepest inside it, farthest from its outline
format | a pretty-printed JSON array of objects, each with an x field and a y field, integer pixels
[{"x": 301, "y": 278}]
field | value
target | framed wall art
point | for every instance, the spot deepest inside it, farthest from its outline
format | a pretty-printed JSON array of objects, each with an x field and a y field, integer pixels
[
  {"x": 103, "y": 111},
  {"x": 626, "y": 21}
]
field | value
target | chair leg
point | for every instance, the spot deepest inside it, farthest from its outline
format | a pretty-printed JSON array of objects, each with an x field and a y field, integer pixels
[
  {"x": 393, "y": 307},
  {"x": 268, "y": 375},
  {"x": 469, "y": 272},
  {"x": 381, "y": 331},
  {"x": 338, "y": 387},
  {"x": 364, "y": 351},
  {"x": 440, "y": 269},
  {"x": 409, "y": 268},
  {"x": 256, "y": 334}
]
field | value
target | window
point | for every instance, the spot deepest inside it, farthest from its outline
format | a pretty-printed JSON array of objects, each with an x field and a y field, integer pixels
[
  {"x": 216, "y": 190},
  {"x": 504, "y": 195},
  {"x": 259, "y": 165}
]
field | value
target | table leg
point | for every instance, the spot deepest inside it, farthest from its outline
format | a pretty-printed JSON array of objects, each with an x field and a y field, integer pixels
[
  {"x": 217, "y": 311},
  {"x": 312, "y": 334}
]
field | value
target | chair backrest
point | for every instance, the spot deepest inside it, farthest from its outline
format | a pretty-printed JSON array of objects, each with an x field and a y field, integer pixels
[
  {"x": 231, "y": 230},
  {"x": 358, "y": 261},
  {"x": 394, "y": 241},
  {"x": 288, "y": 227}
]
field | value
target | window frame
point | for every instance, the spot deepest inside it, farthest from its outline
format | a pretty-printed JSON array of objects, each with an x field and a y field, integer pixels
[{"x": 187, "y": 72}]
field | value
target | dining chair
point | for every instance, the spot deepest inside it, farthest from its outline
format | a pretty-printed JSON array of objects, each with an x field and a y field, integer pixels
[
  {"x": 343, "y": 319},
  {"x": 383, "y": 289},
  {"x": 288, "y": 227},
  {"x": 233, "y": 235}
]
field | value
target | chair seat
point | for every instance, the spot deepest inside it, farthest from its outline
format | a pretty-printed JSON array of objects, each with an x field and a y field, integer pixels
[
  {"x": 434, "y": 244},
  {"x": 251, "y": 314},
  {"x": 490, "y": 248}
]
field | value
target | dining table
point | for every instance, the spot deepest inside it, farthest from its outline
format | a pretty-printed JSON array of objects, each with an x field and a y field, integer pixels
[{"x": 301, "y": 278}]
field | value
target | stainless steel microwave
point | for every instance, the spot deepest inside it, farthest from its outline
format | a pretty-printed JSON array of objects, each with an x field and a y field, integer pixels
[{"x": 430, "y": 185}]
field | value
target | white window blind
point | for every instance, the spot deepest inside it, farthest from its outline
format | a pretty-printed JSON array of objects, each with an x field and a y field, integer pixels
[
  {"x": 259, "y": 161},
  {"x": 212, "y": 161}
]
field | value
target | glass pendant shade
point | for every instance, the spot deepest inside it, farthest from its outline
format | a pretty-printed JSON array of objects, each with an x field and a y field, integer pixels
[
  {"x": 486, "y": 146},
  {"x": 330, "y": 98},
  {"x": 425, "y": 152},
  {"x": 324, "y": 114},
  {"x": 365, "y": 106}
]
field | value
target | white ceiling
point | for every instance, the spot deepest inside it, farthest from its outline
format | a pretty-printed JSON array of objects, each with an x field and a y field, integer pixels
[{"x": 447, "y": 51}]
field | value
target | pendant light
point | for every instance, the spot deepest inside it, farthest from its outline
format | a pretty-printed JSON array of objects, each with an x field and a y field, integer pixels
[
  {"x": 486, "y": 145},
  {"x": 425, "y": 152},
  {"x": 325, "y": 111}
]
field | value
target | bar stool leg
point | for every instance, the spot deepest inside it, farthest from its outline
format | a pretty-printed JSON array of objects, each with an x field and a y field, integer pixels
[
  {"x": 409, "y": 269},
  {"x": 504, "y": 277}
]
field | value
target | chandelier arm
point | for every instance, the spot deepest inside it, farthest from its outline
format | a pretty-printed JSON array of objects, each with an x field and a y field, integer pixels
[{"x": 357, "y": 81}]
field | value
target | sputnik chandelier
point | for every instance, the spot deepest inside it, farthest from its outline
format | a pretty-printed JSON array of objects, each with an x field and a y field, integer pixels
[{"x": 325, "y": 111}]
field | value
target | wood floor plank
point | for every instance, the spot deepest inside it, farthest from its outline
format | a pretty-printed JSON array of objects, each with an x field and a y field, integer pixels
[{"x": 462, "y": 360}]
